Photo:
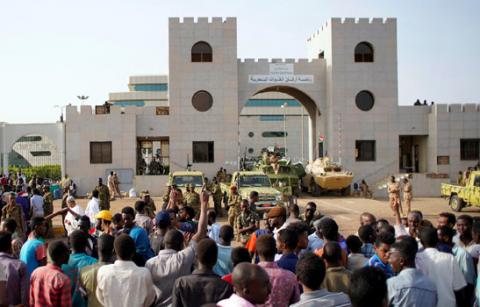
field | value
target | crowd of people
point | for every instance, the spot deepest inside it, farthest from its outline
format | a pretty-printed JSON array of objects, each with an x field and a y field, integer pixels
[{"x": 180, "y": 255}]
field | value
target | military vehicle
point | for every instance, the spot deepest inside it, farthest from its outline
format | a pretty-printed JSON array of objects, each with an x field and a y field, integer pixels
[
  {"x": 182, "y": 178},
  {"x": 248, "y": 181},
  {"x": 463, "y": 196},
  {"x": 284, "y": 178},
  {"x": 323, "y": 176}
]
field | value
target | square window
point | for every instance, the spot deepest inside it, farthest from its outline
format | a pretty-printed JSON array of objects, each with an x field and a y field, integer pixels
[
  {"x": 365, "y": 150},
  {"x": 100, "y": 152},
  {"x": 202, "y": 152},
  {"x": 469, "y": 149}
]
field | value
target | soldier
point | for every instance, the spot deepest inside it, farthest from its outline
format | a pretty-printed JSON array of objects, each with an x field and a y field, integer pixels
[
  {"x": 247, "y": 222},
  {"x": 166, "y": 196},
  {"x": 234, "y": 201},
  {"x": 192, "y": 198},
  {"x": 12, "y": 211},
  {"x": 48, "y": 208},
  {"x": 407, "y": 193},
  {"x": 365, "y": 190},
  {"x": 150, "y": 207},
  {"x": 393, "y": 193},
  {"x": 103, "y": 195},
  {"x": 217, "y": 196}
]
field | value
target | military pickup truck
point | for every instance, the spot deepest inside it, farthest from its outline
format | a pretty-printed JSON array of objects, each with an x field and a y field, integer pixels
[
  {"x": 182, "y": 178},
  {"x": 463, "y": 196},
  {"x": 248, "y": 181},
  {"x": 285, "y": 180}
]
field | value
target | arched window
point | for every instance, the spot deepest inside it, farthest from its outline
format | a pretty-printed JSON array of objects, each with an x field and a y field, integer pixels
[
  {"x": 364, "y": 52},
  {"x": 201, "y": 52}
]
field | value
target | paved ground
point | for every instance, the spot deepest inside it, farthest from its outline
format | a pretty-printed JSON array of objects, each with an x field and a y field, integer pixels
[{"x": 345, "y": 210}]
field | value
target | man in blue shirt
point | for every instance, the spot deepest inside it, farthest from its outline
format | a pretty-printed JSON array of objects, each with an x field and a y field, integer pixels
[
  {"x": 139, "y": 235},
  {"x": 382, "y": 247},
  {"x": 78, "y": 260},
  {"x": 33, "y": 252},
  {"x": 286, "y": 243},
  {"x": 410, "y": 287}
]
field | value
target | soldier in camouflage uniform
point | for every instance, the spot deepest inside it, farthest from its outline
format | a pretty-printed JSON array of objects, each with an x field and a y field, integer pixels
[
  {"x": 234, "y": 201},
  {"x": 150, "y": 207},
  {"x": 12, "y": 211},
  {"x": 192, "y": 198},
  {"x": 166, "y": 196},
  {"x": 217, "y": 196},
  {"x": 247, "y": 222},
  {"x": 103, "y": 195},
  {"x": 48, "y": 208}
]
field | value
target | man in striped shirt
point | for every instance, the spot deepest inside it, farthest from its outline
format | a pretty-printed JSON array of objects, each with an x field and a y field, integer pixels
[{"x": 49, "y": 286}]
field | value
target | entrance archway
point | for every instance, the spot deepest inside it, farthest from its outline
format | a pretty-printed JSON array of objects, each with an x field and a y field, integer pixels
[{"x": 300, "y": 99}]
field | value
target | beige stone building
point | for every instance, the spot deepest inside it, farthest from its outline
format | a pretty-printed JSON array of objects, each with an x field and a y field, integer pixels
[{"x": 340, "y": 101}]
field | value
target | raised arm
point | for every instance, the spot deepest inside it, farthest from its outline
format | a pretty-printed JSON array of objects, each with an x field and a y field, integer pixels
[
  {"x": 202, "y": 221},
  {"x": 60, "y": 212}
]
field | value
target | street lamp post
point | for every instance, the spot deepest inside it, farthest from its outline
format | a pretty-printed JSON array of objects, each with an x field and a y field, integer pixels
[
  {"x": 61, "y": 107},
  {"x": 284, "y": 107}
]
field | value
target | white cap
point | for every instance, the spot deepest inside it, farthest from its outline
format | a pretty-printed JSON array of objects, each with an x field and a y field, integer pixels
[{"x": 70, "y": 199}]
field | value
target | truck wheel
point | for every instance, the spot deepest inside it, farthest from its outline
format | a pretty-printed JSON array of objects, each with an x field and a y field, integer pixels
[
  {"x": 346, "y": 191},
  {"x": 316, "y": 190},
  {"x": 456, "y": 204}
]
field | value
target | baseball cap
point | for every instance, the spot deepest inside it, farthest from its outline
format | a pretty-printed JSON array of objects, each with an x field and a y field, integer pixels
[
  {"x": 277, "y": 211},
  {"x": 104, "y": 215},
  {"x": 162, "y": 218}
]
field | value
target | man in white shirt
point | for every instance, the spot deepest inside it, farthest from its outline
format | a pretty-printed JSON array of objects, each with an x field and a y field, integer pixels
[
  {"x": 93, "y": 207},
  {"x": 73, "y": 215},
  {"x": 175, "y": 261},
  {"x": 442, "y": 269},
  {"x": 123, "y": 284},
  {"x": 36, "y": 204}
]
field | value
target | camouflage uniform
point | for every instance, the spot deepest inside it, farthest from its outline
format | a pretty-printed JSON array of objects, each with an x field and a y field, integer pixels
[
  {"x": 407, "y": 195},
  {"x": 393, "y": 193},
  {"x": 166, "y": 199},
  {"x": 103, "y": 196},
  {"x": 217, "y": 198},
  {"x": 192, "y": 199},
  {"x": 15, "y": 212},
  {"x": 233, "y": 208},
  {"x": 244, "y": 220},
  {"x": 47, "y": 210}
]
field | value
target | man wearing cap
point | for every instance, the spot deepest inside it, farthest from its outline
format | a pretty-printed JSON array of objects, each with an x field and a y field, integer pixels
[
  {"x": 104, "y": 222},
  {"x": 13, "y": 211},
  {"x": 276, "y": 219},
  {"x": 162, "y": 225},
  {"x": 103, "y": 195},
  {"x": 234, "y": 200},
  {"x": 150, "y": 207}
]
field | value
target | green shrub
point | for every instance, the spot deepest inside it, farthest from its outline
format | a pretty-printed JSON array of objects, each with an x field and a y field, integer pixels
[{"x": 45, "y": 171}]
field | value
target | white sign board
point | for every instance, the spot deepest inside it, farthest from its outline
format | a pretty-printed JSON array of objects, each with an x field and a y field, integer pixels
[
  {"x": 281, "y": 69},
  {"x": 298, "y": 79}
]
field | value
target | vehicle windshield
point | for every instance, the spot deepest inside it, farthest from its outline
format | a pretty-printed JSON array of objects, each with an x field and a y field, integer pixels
[
  {"x": 181, "y": 181},
  {"x": 281, "y": 170},
  {"x": 335, "y": 169},
  {"x": 254, "y": 181}
]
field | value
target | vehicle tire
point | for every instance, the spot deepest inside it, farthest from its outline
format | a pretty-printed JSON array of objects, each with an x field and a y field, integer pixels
[
  {"x": 456, "y": 203},
  {"x": 346, "y": 191},
  {"x": 316, "y": 190}
]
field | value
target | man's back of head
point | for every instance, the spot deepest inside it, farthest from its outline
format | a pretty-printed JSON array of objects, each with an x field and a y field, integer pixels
[
  {"x": 207, "y": 251},
  {"x": 332, "y": 254},
  {"x": 368, "y": 287},
  {"x": 266, "y": 248},
  {"x": 124, "y": 247},
  {"x": 58, "y": 252},
  {"x": 105, "y": 247},
  {"x": 310, "y": 271},
  {"x": 78, "y": 241},
  {"x": 173, "y": 240},
  {"x": 251, "y": 283},
  {"x": 429, "y": 237}
]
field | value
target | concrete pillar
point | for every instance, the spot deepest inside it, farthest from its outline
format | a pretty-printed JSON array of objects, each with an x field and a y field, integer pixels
[
  {"x": 5, "y": 162},
  {"x": 63, "y": 147},
  {"x": 312, "y": 139}
]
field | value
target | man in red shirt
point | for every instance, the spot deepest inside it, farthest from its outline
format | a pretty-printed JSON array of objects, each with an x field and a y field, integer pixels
[{"x": 49, "y": 286}]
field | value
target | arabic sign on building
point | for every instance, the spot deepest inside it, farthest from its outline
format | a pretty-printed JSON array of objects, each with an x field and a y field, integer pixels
[
  {"x": 280, "y": 79},
  {"x": 280, "y": 73},
  {"x": 281, "y": 68}
]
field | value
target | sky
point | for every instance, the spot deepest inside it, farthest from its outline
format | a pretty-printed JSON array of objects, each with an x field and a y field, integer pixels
[{"x": 51, "y": 51}]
